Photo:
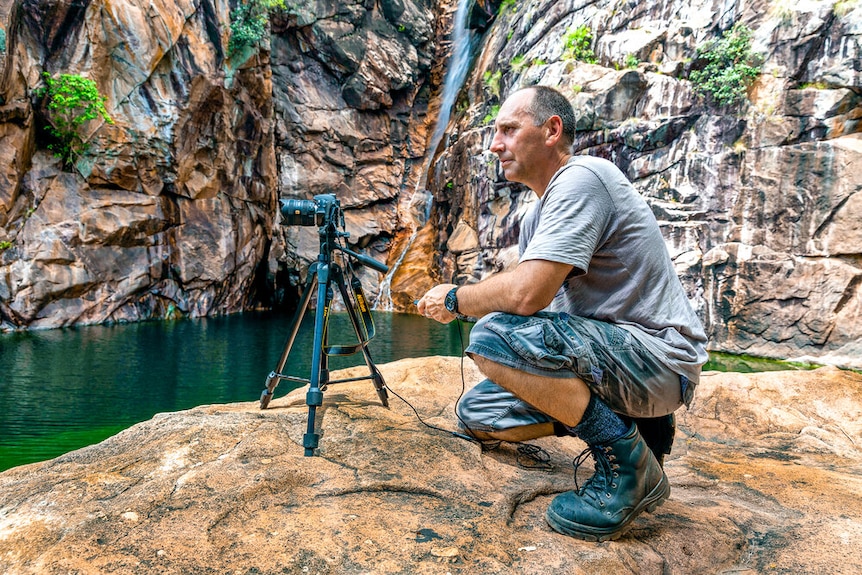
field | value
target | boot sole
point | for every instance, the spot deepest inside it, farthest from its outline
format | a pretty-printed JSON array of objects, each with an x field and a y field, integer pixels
[{"x": 649, "y": 504}]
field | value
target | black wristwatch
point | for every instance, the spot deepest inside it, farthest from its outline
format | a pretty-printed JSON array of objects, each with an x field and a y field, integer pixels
[{"x": 451, "y": 301}]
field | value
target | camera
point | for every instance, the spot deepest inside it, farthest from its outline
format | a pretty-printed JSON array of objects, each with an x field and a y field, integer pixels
[{"x": 322, "y": 211}]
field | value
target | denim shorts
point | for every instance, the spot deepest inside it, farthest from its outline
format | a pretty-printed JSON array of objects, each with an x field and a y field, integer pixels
[{"x": 613, "y": 364}]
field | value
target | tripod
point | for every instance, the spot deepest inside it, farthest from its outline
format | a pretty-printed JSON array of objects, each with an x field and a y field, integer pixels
[{"x": 324, "y": 273}]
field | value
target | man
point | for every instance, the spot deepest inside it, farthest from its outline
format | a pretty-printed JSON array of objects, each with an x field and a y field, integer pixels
[{"x": 590, "y": 331}]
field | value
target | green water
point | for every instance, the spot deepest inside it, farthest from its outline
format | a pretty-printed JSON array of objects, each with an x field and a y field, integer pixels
[{"x": 64, "y": 389}]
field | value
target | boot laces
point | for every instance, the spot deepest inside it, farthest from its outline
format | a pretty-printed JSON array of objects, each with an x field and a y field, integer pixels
[{"x": 604, "y": 479}]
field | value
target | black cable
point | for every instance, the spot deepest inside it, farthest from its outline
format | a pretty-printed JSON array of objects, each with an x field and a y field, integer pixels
[
  {"x": 529, "y": 456},
  {"x": 457, "y": 434}
]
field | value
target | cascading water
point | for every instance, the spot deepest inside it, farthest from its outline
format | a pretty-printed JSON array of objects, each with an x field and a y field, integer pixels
[{"x": 463, "y": 42}]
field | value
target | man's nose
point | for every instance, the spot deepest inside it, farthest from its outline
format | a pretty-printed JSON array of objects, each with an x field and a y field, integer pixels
[{"x": 496, "y": 145}]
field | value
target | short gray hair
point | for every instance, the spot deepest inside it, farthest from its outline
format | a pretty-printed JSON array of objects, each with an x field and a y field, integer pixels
[{"x": 549, "y": 102}]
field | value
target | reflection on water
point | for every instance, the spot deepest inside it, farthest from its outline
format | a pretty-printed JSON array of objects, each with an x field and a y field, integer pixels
[{"x": 64, "y": 389}]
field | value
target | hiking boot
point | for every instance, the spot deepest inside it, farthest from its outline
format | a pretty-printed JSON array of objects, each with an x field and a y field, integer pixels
[{"x": 627, "y": 481}]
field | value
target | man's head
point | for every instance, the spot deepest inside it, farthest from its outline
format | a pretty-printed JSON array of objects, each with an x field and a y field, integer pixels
[{"x": 535, "y": 128}]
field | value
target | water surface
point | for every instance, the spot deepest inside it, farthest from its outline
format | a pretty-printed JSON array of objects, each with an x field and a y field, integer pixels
[
  {"x": 64, "y": 389},
  {"x": 67, "y": 388}
]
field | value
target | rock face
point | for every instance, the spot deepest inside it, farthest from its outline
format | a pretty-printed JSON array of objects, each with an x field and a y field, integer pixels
[
  {"x": 759, "y": 203},
  {"x": 175, "y": 210},
  {"x": 172, "y": 209},
  {"x": 766, "y": 472}
]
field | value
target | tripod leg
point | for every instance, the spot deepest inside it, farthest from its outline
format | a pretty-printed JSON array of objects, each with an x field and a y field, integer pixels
[
  {"x": 376, "y": 376},
  {"x": 314, "y": 397},
  {"x": 273, "y": 378}
]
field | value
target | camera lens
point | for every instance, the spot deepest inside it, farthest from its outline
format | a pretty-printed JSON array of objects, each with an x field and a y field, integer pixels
[{"x": 298, "y": 212}]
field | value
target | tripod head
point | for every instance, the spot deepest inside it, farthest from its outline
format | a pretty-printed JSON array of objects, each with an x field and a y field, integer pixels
[{"x": 324, "y": 211}]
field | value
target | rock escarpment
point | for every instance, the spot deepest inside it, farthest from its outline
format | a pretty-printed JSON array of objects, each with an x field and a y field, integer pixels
[
  {"x": 175, "y": 210},
  {"x": 759, "y": 203},
  {"x": 172, "y": 209},
  {"x": 765, "y": 474}
]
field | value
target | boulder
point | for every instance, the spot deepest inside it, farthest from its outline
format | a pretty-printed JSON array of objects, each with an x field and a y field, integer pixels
[{"x": 766, "y": 471}]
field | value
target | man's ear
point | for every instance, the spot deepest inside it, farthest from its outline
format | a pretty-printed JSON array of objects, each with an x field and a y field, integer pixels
[{"x": 553, "y": 130}]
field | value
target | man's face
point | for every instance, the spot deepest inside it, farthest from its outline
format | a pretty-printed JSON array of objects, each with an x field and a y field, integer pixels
[{"x": 517, "y": 142}]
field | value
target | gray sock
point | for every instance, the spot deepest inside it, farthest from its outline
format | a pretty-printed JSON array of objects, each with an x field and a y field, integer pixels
[{"x": 600, "y": 425}]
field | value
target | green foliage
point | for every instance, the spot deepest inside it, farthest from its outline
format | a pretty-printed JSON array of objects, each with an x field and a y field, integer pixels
[
  {"x": 5, "y": 245},
  {"x": 507, "y": 4},
  {"x": 249, "y": 23},
  {"x": 730, "y": 67},
  {"x": 577, "y": 45},
  {"x": 71, "y": 101},
  {"x": 632, "y": 61},
  {"x": 492, "y": 82},
  {"x": 518, "y": 63},
  {"x": 492, "y": 115}
]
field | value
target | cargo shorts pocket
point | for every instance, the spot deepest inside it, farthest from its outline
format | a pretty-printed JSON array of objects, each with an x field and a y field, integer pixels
[
  {"x": 541, "y": 342},
  {"x": 687, "y": 390}
]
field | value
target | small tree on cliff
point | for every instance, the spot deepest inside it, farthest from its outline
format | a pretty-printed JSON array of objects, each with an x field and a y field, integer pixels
[
  {"x": 70, "y": 101},
  {"x": 729, "y": 67},
  {"x": 249, "y": 21}
]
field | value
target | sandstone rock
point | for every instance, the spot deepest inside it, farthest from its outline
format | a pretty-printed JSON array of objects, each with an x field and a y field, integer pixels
[
  {"x": 341, "y": 98},
  {"x": 776, "y": 175},
  {"x": 173, "y": 207},
  {"x": 765, "y": 475}
]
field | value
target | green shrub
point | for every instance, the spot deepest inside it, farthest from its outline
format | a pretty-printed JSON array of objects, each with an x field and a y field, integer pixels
[
  {"x": 577, "y": 45},
  {"x": 518, "y": 63},
  {"x": 730, "y": 67},
  {"x": 71, "y": 101},
  {"x": 491, "y": 115},
  {"x": 632, "y": 61},
  {"x": 507, "y": 4},
  {"x": 492, "y": 82},
  {"x": 5, "y": 245},
  {"x": 249, "y": 22}
]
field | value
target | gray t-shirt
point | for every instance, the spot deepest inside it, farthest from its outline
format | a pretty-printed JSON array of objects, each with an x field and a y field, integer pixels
[{"x": 591, "y": 217}]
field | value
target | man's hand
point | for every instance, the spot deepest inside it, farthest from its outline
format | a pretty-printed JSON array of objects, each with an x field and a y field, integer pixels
[{"x": 433, "y": 304}]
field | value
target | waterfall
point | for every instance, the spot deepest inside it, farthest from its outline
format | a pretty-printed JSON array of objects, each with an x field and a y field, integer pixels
[{"x": 463, "y": 42}]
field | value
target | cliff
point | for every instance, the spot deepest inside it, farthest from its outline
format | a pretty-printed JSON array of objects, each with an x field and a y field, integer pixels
[
  {"x": 758, "y": 202},
  {"x": 174, "y": 211},
  {"x": 765, "y": 471}
]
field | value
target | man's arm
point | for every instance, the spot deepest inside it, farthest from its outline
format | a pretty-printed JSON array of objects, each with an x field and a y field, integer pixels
[{"x": 529, "y": 288}]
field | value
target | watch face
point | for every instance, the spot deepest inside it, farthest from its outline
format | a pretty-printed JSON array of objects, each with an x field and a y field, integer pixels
[{"x": 451, "y": 301}]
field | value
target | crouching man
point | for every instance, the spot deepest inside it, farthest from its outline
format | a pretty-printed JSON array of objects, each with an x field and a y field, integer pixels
[{"x": 590, "y": 333}]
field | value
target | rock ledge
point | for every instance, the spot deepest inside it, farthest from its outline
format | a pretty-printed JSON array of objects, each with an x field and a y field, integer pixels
[{"x": 766, "y": 473}]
